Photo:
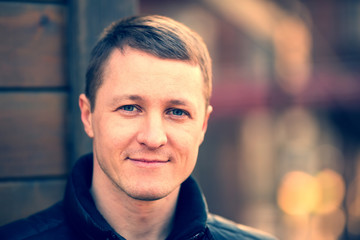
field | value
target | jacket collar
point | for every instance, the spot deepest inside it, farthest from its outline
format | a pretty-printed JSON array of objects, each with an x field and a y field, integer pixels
[{"x": 190, "y": 216}]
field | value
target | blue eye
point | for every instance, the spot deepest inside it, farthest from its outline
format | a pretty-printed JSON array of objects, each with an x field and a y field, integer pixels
[
  {"x": 177, "y": 112},
  {"x": 128, "y": 108}
]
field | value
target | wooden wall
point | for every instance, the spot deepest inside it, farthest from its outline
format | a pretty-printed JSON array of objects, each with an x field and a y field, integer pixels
[
  {"x": 33, "y": 98},
  {"x": 44, "y": 46}
]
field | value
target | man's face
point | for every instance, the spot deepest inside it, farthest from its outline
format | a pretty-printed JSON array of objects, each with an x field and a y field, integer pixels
[{"x": 148, "y": 123}]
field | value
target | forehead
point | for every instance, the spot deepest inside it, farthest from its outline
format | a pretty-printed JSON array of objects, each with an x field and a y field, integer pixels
[
  {"x": 128, "y": 57},
  {"x": 134, "y": 70}
]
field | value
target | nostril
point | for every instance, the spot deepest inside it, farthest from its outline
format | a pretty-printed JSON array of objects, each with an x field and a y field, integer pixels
[{"x": 152, "y": 138}]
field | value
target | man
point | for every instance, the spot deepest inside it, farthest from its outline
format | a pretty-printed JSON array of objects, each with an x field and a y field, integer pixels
[{"x": 146, "y": 107}]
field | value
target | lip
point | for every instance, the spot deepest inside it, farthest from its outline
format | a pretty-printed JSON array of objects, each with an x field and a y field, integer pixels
[{"x": 143, "y": 162}]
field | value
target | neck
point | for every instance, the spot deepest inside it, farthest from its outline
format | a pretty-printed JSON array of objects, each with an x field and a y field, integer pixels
[{"x": 132, "y": 218}]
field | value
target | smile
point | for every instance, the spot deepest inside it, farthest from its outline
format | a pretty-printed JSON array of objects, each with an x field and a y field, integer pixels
[{"x": 142, "y": 162}]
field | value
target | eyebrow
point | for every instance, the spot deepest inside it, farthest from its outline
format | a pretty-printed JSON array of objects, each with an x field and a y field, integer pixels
[
  {"x": 179, "y": 102},
  {"x": 117, "y": 99}
]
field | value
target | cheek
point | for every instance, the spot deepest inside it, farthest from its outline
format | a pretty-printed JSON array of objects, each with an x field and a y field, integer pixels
[
  {"x": 113, "y": 131},
  {"x": 186, "y": 140}
]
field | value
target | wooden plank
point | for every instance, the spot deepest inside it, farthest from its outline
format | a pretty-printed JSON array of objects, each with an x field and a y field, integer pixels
[
  {"x": 32, "y": 45},
  {"x": 32, "y": 130},
  {"x": 20, "y": 199}
]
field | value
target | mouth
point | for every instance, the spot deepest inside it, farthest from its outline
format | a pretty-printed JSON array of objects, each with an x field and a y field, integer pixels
[{"x": 145, "y": 162}]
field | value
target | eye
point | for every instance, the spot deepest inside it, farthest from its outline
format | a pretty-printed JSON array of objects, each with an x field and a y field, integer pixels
[
  {"x": 129, "y": 109},
  {"x": 177, "y": 112}
]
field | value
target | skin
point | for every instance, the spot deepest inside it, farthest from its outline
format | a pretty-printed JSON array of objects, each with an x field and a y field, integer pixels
[{"x": 149, "y": 120}]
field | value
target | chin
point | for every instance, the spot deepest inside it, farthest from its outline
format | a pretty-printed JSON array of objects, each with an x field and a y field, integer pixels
[
  {"x": 147, "y": 198},
  {"x": 150, "y": 194}
]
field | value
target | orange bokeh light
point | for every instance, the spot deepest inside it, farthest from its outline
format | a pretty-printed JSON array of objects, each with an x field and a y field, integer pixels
[{"x": 301, "y": 193}]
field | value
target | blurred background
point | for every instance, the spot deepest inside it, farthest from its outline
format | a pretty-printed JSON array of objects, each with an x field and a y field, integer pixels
[{"x": 282, "y": 151}]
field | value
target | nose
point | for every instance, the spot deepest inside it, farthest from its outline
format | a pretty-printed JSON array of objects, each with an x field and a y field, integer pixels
[{"x": 152, "y": 133}]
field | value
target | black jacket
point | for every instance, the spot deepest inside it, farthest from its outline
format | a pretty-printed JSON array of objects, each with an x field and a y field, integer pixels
[{"x": 76, "y": 217}]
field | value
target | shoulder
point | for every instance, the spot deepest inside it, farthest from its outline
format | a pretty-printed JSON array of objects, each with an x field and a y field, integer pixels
[
  {"x": 222, "y": 228},
  {"x": 47, "y": 224}
]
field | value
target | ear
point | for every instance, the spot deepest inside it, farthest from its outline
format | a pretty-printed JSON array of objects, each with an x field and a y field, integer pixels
[
  {"x": 205, "y": 123},
  {"x": 86, "y": 114}
]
